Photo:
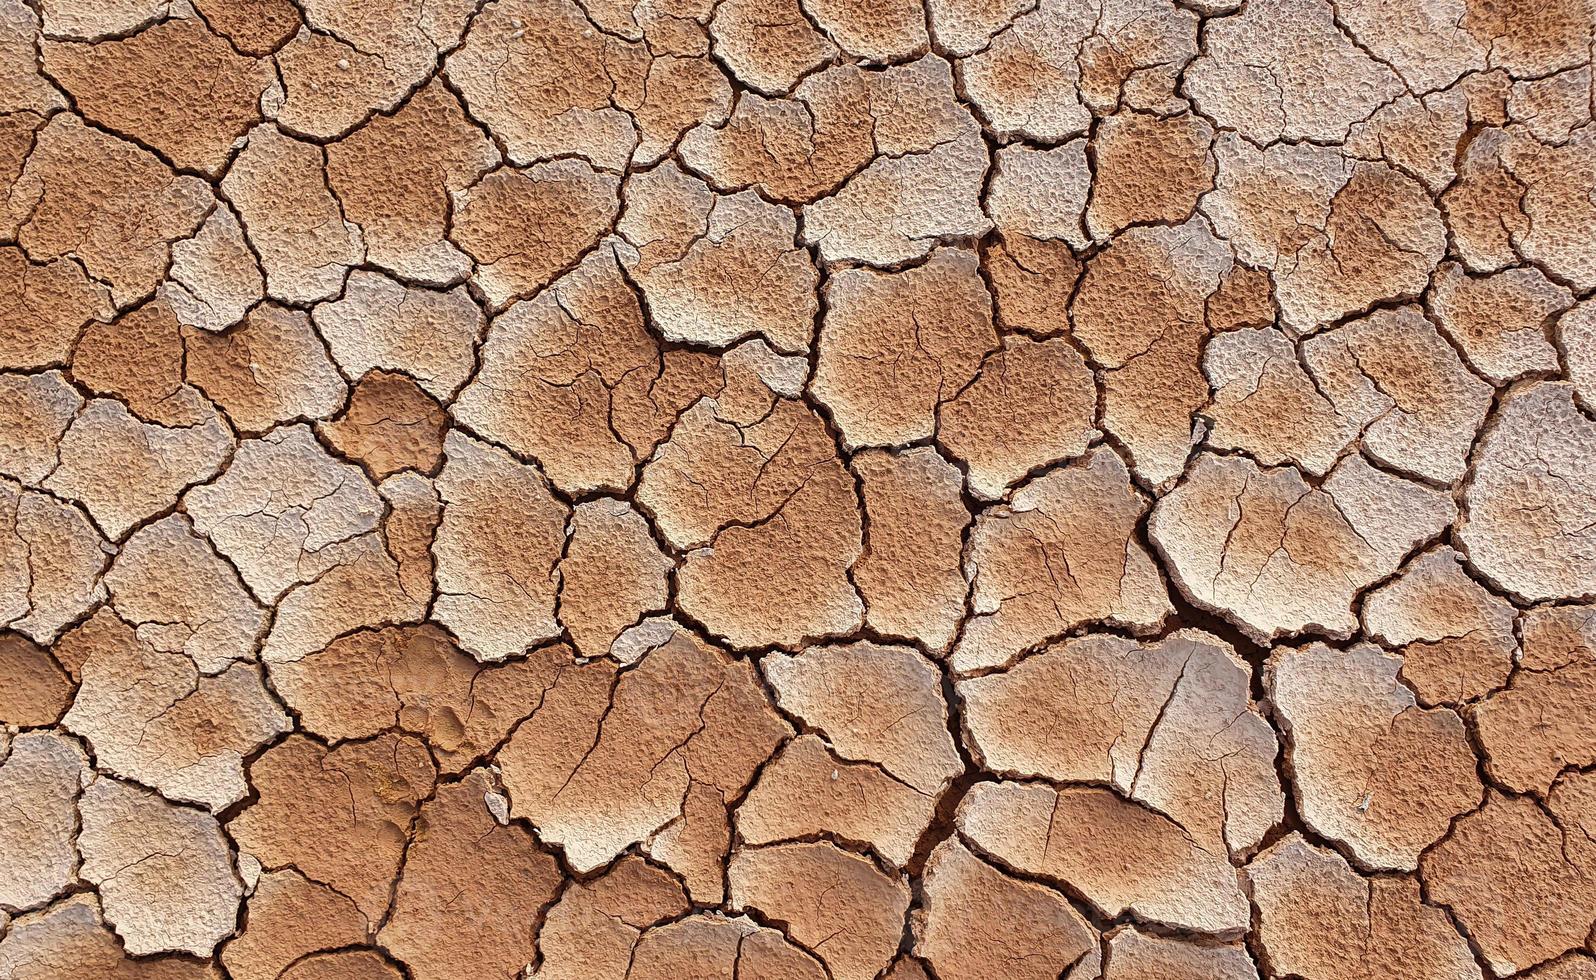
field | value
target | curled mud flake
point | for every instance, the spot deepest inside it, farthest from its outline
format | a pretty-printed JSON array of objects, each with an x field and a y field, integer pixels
[
  {"x": 910, "y": 576},
  {"x": 51, "y": 561},
  {"x": 1137, "y": 955},
  {"x": 341, "y": 816},
  {"x": 1455, "y": 636},
  {"x": 164, "y": 872},
  {"x": 1319, "y": 919},
  {"x": 488, "y": 877},
  {"x": 1541, "y": 724},
  {"x": 807, "y": 791},
  {"x": 612, "y": 574},
  {"x": 1062, "y": 553},
  {"x": 176, "y": 87},
  {"x": 289, "y": 917},
  {"x": 1529, "y": 508},
  {"x": 379, "y": 323},
  {"x": 1520, "y": 875},
  {"x": 112, "y": 206},
  {"x": 271, "y": 368},
  {"x": 294, "y": 223},
  {"x": 1122, "y": 857},
  {"x": 872, "y": 703},
  {"x": 549, "y": 369},
  {"x": 496, "y": 549},
  {"x": 896, "y": 346},
  {"x": 523, "y": 228},
  {"x": 40, "y": 782},
  {"x": 593, "y": 930},
  {"x": 391, "y": 424},
  {"x": 71, "y": 940},
  {"x": 36, "y": 410},
  {"x": 716, "y": 268},
  {"x": 395, "y": 175},
  {"x": 1277, "y": 556},
  {"x": 151, "y": 716},
  {"x": 1372, "y": 770},
  {"x": 838, "y": 906}
]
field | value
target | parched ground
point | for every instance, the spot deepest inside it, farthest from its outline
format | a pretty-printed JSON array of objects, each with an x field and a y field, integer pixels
[{"x": 797, "y": 490}]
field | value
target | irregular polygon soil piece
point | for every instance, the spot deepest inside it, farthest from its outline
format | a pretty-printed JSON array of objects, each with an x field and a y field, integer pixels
[
  {"x": 339, "y": 816},
  {"x": 1321, "y": 920},
  {"x": 291, "y": 218},
  {"x": 153, "y": 464},
  {"x": 1170, "y": 724},
  {"x": 1543, "y": 723},
  {"x": 361, "y": 60},
  {"x": 288, "y": 917},
  {"x": 1141, "y": 313},
  {"x": 910, "y": 576},
  {"x": 1529, "y": 509},
  {"x": 1149, "y": 169},
  {"x": 544, "y": 80},
  {"x": 1520, "y": 876},
  {"x": 51, "y": 560},
  {"x": 1137, "y": 955},
  {"x": 744, "y": 498},
  {"x": 1284, "y": 70},
  {"x": 895, "y": 346},
  {"x": 175, "y": 87},
  {"x": 594, "y": 928},
  {"x": 108, "y": 203},
  {"x": 1499, "y": 320},
  {"x": 379, "y": 323},
  {"x": 795, "y": 148},
  {"x": 856, "y": 923},
  {"x": 180, "y": 596},
  {"x": 1561, "y": 218},
  {"x": 37, "y": 408},
  {"x": 925, "y": 185},
  {"x": 415, "y": 679},
  {"x": 1417, "y": 406},
  {"x": 414, "y": 513},
  {"x": 1576, "y": 333},
  {"x": 269, "y": 369},
  {"x": 1137, "y": 54},
  {"x": 716, "y": 268},
  {"x": 1417, "y": 135},
  {"x": 394, "y": 177},
  {"x": 1063, "y": 552},
  {"x": 769, "y": 45},
  {"x": 612, "y": 574},
  {"x": 39, "y": 777},
  {"x": 34, "y": 690},
  {"x": 978, "y": 922},
  {"x": 1120, "y": 856},
  {"x": 25, "y": 88},
  {"x": 806, "y": 791},
  {"x": 489, "y": 876},
  {"x": 151, "y": 716},
  {"x": 214, "y": 279},
  {"x": 686, "y": 714},
  {"x": 1026, "y": 82},
  {"x": 69, "y": 940},
  {"x": 1456, "y": 637},
  {"x": 44, "y": 308},
  {"x": 1372, "y": 770},
  {"x": 164, "y": 872},
  {"x": 1028, "y": 275},
  {"x": 1277, "y": 556},
  {"x": 549, "y": 368},
  {"x": 872, "y": 703},
  {"x": 1032, "y": 404},
  {"x": 1041, "y": 193},
  {"x": 872, "y": 30},
  {"x": 139, "y": 360},
  {"x": 496, "y": 550},
  {"x": 715, "y": 947},
  {"x": 1484, "y": 206},
  {"x": 391, "y": 424},
  {"x": 349, "y": 964},
  {"x": 522, "y": 228}
]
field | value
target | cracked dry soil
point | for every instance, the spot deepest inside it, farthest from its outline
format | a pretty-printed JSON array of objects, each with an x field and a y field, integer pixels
[{"x": 797, "y": 489}]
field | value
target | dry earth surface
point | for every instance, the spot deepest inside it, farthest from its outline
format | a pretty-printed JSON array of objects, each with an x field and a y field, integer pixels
[{"x": 797, "y": 489}]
